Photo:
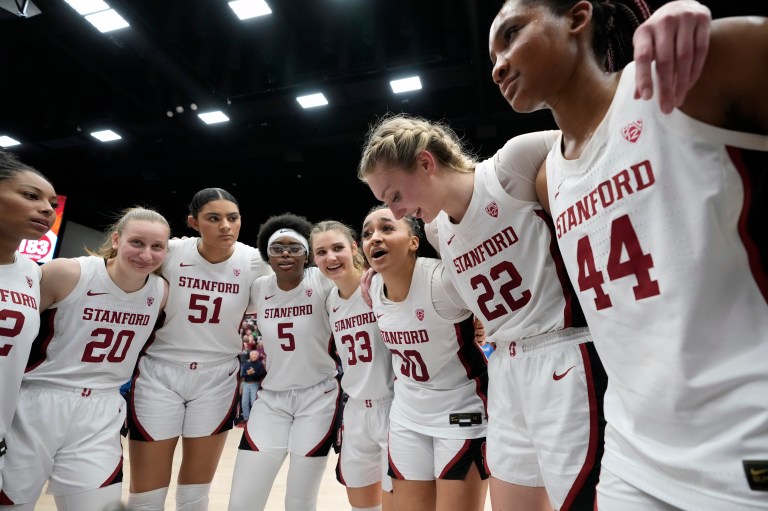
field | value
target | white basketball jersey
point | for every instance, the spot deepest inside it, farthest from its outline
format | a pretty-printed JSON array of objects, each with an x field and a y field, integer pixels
[
  {"x": 504, "y": 261},
  {"x": 294, "y": 327},
  {"x": 442, "y": 376},
  {"x": 93, "y": 337},
  {"x": 365, "y": 359},
  {"x": 19, "y": 323},
  {"x": 664, "y": 236},
  {"x": 206, "y": 303}
]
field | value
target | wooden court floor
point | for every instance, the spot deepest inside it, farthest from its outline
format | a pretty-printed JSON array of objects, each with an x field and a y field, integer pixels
[{"x": 332, "y": 497}]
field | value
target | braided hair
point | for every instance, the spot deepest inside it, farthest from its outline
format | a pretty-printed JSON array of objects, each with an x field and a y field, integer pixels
[{"x": 396, "y": 140}]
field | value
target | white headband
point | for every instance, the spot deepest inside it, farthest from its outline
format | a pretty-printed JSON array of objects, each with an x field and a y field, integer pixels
[{"x": 291, "y": 234}]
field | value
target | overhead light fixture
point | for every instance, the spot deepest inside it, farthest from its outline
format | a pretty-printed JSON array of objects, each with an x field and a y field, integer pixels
[
  {"x": 6, "y": 141},
  {"x": 106, "y": 135},
  {"x": 246, "y": 9},
  {"x": 107, "y": 21},
  {"x": 405, "y": 84},
  {"x": 312, "y": 100},
  {"x": 214, "y": 117},
  {"x": 88, "y": 6}
]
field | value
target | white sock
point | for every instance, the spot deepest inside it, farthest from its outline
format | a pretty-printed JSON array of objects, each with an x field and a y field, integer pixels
[
  {"x": 153, "y": 500},
  {"x": 303, "y": 484},
  {"x": 252, "y": 479},
  {"x": 374, "y": 508},
  {"x": 192, "y": 497}
]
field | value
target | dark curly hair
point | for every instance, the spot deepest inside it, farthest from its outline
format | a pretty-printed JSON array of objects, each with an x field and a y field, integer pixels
[{"x": 285, "y": 221}]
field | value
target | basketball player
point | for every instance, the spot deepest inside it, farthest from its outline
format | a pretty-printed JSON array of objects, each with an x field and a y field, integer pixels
[
  {"x": 27, "y": 211},
  {"x": 186, "y": 384},
  {"x": 367, "y": 377},
  {"x": 99, "y": 311},
  {"x": 438, "y": 416},
  {"x": 299, "y": 400},
  {"x": 660, "y": 220}
]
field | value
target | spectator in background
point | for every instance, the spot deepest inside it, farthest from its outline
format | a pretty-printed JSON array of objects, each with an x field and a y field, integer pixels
[{"x": 251, "y": 372}]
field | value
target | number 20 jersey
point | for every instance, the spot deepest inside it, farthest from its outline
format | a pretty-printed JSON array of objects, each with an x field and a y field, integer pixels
[
  {"x": 661, "y": 223},
  {"x": 93, "y": 336}
]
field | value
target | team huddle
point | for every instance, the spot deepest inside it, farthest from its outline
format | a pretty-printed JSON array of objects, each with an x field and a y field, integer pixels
[{"x": 619, "y": 264}]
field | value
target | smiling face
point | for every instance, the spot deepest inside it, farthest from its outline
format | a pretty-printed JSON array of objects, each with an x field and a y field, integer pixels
[
  {"x": 27, "y": 207},
  {"x": 218, "y": 223},
  {"x": 290, "y": 263},
  {"x": 142, "y": 246},
  {"x": 333, "y": 253},
  {"x": 408, "y": 193},
  {"x": 387, "y": 242},
  {"x": 528, "y": 46}
]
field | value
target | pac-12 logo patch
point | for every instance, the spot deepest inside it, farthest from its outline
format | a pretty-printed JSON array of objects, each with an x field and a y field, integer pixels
[
  {"x": 420, "y": 314},
  {"x": 150, "y": 300},
  {"x": 29, "y": 282},
  {"x": 309, "y": 293},
  {"x": 492, "y": 209},
  {"x": 631, "y": 132},
  {"x": 237, "y": 272}
]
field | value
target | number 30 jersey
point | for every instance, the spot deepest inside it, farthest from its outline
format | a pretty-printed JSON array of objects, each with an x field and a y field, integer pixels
[
  {"x": 206, "y": 304},
  {"x": 662, "y": 226},
  {"x": 93, "y": 337}
]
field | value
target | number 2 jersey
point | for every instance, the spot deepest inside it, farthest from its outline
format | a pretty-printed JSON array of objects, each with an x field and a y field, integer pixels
[
  {"x": 662, "y": 226},
  {"x": 442, "y": 374},
  {"x": 19, "y": 323},
  {"x": 93, "y": 336},
  {"x": 206, "y": 304}
]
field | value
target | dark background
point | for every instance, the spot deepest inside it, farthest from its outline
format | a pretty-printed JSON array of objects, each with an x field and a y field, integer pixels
[{"x": 62, "y": 79}]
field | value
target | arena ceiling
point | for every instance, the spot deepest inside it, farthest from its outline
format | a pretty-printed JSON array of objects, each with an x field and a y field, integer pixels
[{"x": 63, "y": 79}]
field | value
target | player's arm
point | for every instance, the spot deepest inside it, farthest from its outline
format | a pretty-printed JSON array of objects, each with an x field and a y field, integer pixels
[
  {"x": 732, "y": 91},
  {"x": 518, "y": 163},
  {"x": 59, "y": 278},
  {"x": 541, "y": 187},
  {"x": 165, "y": 294},
  {"x": 676, "y": 37}
]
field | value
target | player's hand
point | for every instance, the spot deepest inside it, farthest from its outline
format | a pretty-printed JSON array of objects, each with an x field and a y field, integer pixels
[
  {"x": 365, "y": 286},
  {"x": 676, "y": 36}
]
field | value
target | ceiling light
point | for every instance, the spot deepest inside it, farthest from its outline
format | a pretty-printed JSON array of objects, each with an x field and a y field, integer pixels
[
  {"x": 6, "y": 141},
  {"x": 312, "y": 100},
  {"x": 87, "y": 6},
  {"x": 213, "y": 117},
  {"x": 246, "y": 9},
  {"x": 107, "y": 21},
  {"x": 106, "y": 135},
  {"x": 405, "y": 84}
]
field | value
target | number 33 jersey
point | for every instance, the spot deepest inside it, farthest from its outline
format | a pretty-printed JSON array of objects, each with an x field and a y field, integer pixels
[{"x": 93, "y": 337}]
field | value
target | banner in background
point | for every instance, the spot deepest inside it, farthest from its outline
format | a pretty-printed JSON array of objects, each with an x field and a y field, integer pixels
[{"x": 42, "y": 250}]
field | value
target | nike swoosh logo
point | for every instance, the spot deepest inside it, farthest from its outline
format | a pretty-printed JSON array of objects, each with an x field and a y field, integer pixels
[
  {"x": 755, "y": 472},
  {"x": 327, "y": 391},
  {"x": 184, "y": 265},
  {"x": 268, "y": 297},
  {"x": 232, "y": 372},
  {"x": 91, "y": 293},
  {"x": 336, "y": 308},
  {"x": 451, "y": 239},
  {"x": 557, "y": 377},
  {"x": 379, "y": 315}
]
